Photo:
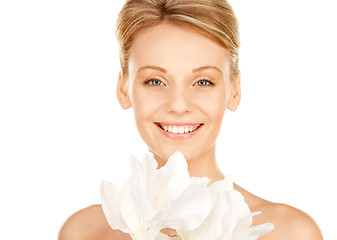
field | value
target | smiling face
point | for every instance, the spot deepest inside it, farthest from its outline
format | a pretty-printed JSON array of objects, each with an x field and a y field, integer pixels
[{"x": 179, "y": 86}]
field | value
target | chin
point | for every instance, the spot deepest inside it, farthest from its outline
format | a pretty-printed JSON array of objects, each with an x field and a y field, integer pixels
[{"x": 164, "y": 155}]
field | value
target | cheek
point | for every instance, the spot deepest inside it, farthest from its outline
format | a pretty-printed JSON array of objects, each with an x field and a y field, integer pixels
[
  {"x": 217, "y": 110},
  {"x": 144, "y": 103},
  {"x": 214, "y": 105}
]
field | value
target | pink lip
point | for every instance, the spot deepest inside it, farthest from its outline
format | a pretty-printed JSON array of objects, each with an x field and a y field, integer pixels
[{"x": 178, "y": 136}]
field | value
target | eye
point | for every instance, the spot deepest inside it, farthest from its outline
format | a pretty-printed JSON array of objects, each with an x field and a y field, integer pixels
[
  {"x": 154, "y": 82},
  {"x": 204, "y": 82}
]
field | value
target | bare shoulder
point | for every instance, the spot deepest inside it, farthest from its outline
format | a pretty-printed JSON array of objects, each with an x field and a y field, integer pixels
[
  {"x": 88, "y": 224},
  {"x": 290, "y": 223}
]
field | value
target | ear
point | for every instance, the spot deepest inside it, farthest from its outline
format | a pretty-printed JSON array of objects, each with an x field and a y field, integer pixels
[
  {"x": 122, "y": 92},
  {"x": 235, "y": 97}
]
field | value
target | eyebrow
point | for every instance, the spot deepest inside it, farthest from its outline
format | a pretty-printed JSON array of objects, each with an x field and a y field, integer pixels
[
  {"x": 206, "y": 68},
  {"x": 152, "y": 67},
  {"x": 199, "y": 69}
]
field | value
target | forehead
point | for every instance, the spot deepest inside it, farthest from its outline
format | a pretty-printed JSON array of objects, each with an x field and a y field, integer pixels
[{"x": 175, "y": 48}]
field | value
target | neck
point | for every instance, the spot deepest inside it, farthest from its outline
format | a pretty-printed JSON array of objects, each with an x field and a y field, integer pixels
[{"x": 205, "y": 166}]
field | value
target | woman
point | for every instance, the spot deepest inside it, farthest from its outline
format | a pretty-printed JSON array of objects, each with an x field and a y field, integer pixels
[{"x": 179, "y": 73}]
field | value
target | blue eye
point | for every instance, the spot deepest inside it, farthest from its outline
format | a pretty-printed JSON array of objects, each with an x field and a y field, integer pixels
[
  {"x": 155, "y": 82},
  {"x": 204, "y": 82}
]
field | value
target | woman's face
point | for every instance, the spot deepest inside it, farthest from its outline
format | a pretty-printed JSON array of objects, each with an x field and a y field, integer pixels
[{"x": 179, "y": 87}]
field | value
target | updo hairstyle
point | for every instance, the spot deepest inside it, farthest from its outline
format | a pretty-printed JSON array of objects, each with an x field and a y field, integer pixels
[{"x": 214, "y": 19}]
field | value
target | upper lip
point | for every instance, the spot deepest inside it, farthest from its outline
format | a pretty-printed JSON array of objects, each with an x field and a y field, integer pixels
[{"x": 178, "y": 123}]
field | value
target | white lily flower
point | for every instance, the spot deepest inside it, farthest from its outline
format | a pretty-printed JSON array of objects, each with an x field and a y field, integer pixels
[
  {"x": 152, "y": 199},
  {"x": 229, "y": 218}
]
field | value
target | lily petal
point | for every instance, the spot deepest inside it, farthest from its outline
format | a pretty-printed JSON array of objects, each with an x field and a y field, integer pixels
[
  {"x": 150, "y": 166},
  {"x": 258, "y": 231},
  {"x": 111, "y": 199},
  {"x": 229, "y": 218},
  {"x": 136, "y": 204},
  {"x": 211, "y": 228},
  {"x": 188, "y": 211},
  {"x": 170, "y": 181}
]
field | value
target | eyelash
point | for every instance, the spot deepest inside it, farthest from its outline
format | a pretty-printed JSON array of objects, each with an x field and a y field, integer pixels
[
  {"x": 152, "y": 80},
  {"x": 208, "y": 81}
]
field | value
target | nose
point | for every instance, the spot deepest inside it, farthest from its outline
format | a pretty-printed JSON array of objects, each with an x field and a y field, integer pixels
[{"x": 178, "y": 100}]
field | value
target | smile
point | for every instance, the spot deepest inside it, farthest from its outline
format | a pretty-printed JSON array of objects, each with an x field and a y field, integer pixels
[{"x": 179, "y": 130}]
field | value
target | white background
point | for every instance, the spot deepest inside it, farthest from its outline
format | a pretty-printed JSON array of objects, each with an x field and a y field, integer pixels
[{"x": 62, "y": 130}]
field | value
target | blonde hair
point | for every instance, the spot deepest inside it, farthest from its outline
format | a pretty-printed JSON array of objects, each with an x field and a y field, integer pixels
[{"x": 213, "y": 18}]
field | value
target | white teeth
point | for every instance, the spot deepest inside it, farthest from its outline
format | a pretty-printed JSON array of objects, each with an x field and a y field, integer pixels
[{"x": 179, "y": 129}]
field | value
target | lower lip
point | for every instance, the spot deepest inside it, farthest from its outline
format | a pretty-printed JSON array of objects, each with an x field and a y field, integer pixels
[{"x": 178, "y": 135}]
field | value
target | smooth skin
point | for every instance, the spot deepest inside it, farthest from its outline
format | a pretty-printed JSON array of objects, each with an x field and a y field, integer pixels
[{"x": 176, "y": 76}]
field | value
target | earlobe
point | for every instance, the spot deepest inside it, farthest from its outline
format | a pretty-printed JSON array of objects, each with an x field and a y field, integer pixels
[
  {"x": 122, "y": 92},
  {"x": 235, "y": 97}
]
